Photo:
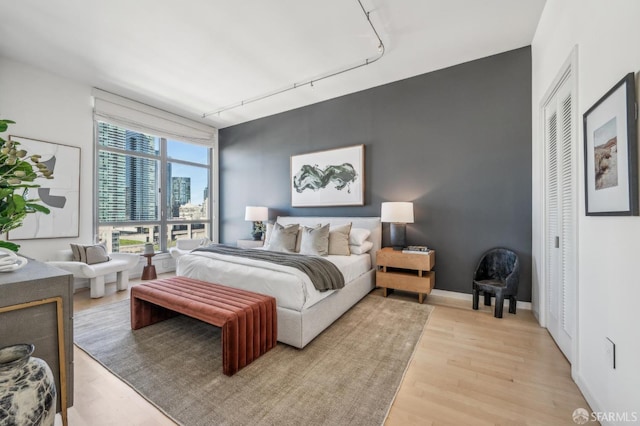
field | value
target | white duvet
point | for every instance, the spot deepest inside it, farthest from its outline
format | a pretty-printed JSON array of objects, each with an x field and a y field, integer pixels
[{"x": 292, "y": 288}]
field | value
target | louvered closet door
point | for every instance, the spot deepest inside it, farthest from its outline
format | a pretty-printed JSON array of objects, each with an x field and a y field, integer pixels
[{"x": 560, "y": 234}]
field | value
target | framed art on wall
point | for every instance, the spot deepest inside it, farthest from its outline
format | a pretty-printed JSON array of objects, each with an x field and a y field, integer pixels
[
  {"x": 333, "y": 177},
  {"x": 611, "y": 153},
  {"x": 61, "y": 195}
]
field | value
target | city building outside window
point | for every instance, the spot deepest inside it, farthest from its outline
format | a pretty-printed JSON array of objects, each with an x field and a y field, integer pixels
[{"x": 150, "y": 189}]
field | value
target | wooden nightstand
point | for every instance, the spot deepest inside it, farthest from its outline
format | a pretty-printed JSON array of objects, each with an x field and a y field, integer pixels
[
  {"x": 405, "y": 271},
  {"x": 249, "y": 243}
]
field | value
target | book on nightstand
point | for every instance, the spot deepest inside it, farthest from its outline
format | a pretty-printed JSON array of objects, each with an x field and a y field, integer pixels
[{"x": 416, "y": 250}]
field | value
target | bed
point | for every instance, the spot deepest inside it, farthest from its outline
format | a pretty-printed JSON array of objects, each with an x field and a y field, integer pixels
[{"x": 303, "y": 312}]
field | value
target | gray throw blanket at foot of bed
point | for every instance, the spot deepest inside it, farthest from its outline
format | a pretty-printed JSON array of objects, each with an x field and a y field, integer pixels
[{"x": 323, "y": 274}]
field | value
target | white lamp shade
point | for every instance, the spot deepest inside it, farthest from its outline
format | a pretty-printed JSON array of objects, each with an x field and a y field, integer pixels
[
  {"x": 397, "y": 212},
  {"x": 256, "y": 214}
]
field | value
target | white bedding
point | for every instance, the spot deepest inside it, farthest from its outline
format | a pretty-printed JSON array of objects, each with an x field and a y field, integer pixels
[{"x": 291, "y": 288}]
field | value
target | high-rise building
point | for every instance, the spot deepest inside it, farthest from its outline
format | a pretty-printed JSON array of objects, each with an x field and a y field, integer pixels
[
  {"x": 180, "y": 193},
  {"x": 127, "y": 188},
  {"x": 142, "y": 174},
  {"x": 112, "y": 191}
]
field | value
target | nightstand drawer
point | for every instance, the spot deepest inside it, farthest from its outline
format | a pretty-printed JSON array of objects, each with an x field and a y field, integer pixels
[
  {"x": 406, "y": 281},
  {"x": 398, "y": 259}
]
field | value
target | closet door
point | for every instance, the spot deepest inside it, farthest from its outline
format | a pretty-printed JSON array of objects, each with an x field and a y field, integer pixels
[{"x": 561, "y": 214}]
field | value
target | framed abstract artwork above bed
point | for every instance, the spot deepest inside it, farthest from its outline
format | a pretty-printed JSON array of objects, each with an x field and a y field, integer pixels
[{"x": 333, "y": 177}]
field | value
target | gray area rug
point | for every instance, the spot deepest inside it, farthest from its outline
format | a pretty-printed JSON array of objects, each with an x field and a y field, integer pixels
[{"x": 346, "y": 376}]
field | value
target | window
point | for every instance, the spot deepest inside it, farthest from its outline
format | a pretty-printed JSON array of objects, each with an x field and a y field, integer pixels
[{"x": 150, "y": 189}]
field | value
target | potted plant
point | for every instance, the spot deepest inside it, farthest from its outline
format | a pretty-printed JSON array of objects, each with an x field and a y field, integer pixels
[{"x": 17, "y": 173}]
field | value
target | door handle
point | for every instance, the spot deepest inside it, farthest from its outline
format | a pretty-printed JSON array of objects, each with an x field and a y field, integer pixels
[{"x": 557, "y": 242}]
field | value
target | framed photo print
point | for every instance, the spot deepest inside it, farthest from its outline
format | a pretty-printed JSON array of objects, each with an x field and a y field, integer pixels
[
  {"x": 328, "y": 178},
  {"x": 611, "y": 152},
  {"x": 61, "y": 195}
]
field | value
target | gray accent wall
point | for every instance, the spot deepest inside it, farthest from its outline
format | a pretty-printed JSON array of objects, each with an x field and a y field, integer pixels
[{"x": 456, "y": 142}]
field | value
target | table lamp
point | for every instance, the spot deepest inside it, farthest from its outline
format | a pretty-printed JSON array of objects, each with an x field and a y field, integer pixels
[
  {"x": 257, "y": 215},
  {"x": 398, "y": 214}
]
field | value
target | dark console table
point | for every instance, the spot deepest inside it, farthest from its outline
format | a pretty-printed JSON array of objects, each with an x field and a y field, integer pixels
[{"x": 36, "y": 306}]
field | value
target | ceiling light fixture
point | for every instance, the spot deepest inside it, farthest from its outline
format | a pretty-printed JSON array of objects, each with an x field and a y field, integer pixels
[{"x": 310, "y": 82}]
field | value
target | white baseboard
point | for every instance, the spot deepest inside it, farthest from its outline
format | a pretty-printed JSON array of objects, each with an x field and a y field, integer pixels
[
  {"x": 593, "y": 402},
  {"x": 469, "y": 297}
]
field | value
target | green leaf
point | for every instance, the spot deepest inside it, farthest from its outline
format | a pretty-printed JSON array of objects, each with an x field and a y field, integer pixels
[
  {"x": 19, "y": 202},
  {"x": 38, "y": 207},
  {"x": 9, "y": 245}
]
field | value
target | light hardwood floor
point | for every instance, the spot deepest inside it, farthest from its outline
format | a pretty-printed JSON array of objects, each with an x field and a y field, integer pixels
[{"x": 469, "y": 368}]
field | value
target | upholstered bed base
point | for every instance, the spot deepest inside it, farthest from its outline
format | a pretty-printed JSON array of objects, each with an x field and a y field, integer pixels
[{"x": 297, "y": 328}]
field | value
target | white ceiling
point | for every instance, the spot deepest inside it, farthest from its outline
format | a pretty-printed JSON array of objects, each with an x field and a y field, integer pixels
[{"x": 198, "y": 56}]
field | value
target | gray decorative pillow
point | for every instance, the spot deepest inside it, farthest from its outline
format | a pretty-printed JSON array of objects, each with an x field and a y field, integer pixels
[
  {"x": 339, "y": 240},
  {"x": 315, "y": 241},
  {"x": 90, "y": 254},
  {"x": 96, "y": 254},
  {"x": 75, "y": 251},
  {"x": 299, "y": 237},
  {"x": 283, "y": 238}
]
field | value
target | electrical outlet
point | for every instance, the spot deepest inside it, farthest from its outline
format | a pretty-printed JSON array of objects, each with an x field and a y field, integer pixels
[{"x": 610, "y": 350}]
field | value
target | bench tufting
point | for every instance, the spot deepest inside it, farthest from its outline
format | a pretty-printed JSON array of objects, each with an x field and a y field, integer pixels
[{"x": 248, "y": 320}]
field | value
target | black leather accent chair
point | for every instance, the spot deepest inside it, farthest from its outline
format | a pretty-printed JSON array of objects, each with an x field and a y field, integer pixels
[{"x": 497, "y": 274}]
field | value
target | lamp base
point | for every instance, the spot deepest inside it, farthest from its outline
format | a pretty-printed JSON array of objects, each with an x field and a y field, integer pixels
[
  {"x": 398, "y": 235},
  {"x": 257, "y": 230}
]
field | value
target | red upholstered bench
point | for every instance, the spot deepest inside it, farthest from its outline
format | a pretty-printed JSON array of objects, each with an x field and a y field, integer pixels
[{"x": 248, "y": 320}]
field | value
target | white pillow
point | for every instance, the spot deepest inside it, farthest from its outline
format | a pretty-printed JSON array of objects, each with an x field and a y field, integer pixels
[
  {"x": 267, "y": 234},
  {"x": 190, "y": 244},
  {"x": 362, "y": 248},
  {"x": 357, "y": 236}
]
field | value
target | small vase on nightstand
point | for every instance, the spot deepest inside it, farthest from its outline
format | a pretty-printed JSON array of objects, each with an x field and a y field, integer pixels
[
  {"x": 257, "y": 230},
  {"x": 148, "y": 248}
]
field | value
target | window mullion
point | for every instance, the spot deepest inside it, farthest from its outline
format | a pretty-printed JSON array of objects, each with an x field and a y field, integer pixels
[{"x": 163, "y": 187}]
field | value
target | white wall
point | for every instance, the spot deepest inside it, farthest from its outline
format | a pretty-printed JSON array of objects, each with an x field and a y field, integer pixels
[
  {"x": 607, "y": 35},
  {"x": 54, "y": 109}
]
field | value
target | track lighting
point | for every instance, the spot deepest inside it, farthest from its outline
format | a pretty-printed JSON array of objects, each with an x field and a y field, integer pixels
[{"x": 310, "y": 82}]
